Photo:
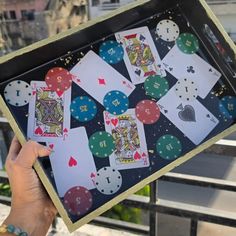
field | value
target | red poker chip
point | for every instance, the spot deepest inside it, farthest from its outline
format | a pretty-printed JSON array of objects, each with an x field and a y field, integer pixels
[
  {"x": 78, "y": 200},
  {"x": 147, "y": 112},
  {"x": 58, "y": 79}
]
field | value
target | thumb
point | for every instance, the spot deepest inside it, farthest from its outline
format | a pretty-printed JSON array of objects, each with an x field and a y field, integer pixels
[{"x": 30, "y": 152}]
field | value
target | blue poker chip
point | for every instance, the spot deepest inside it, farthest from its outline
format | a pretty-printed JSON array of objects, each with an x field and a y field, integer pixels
[
  {"x": 227, "y": 107},
  {"x": 111, "y": 52},
  {"x": 83, "y": 108},
  {"x": 116, "y": 102}
]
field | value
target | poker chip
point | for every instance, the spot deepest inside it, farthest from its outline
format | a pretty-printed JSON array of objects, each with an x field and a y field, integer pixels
[
  {"x": 18, "y": 93},
  {"x": 227, "y": 107},
  {"x": 108, "y": 180},
  {"x": 188, "y": 43},
  {"x": 169, "y": 147},
  {"x": 167, "y": 30},
  {"x": 58, "y": 79},
  {"x": 83, "y": 108},
  {"x": 147, "y": 112},
  {"x": 186, "y": 89},
  {"x": 111, "y": 52},
  {"x": 78, "y": 200},
  {"x": 102, "y": 144},
  {"x": 156, "y": 86},
  {"x": 116, "y": 102}
]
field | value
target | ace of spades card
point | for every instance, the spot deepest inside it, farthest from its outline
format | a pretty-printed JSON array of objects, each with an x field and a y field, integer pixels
[
  {"x": 141, "y": 57},
  {"x": 48, "y": 116},
  {"x": 128, "y": 132},
  {"x": 191, "y": 118}
]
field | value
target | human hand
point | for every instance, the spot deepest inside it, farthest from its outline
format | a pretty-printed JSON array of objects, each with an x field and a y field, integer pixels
[{"x": 31, "y": 207}]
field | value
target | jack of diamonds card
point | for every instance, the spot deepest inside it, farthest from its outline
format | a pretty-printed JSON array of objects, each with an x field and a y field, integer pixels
[
  {"x": 141, "y": 57},
  {"x": 49, "y": 113},
  {"x": 131, "y": 147}
]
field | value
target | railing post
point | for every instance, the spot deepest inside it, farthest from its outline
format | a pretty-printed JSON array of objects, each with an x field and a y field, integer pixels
[
  {"x": 152, "y": 214},
  {"x": 193, "y": 227}
]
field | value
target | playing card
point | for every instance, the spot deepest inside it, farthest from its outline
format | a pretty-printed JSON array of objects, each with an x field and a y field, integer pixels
[
  {"x": 141, "y": 56},
  {"x": 72, "y": 162},
  {"x": 98, "y": 78},
  {"x": 128, "y": 132},
  {"x": 49, "y": 113},
  {"x": 191, "y": 118},
  {"x": 192, "y": 66}
]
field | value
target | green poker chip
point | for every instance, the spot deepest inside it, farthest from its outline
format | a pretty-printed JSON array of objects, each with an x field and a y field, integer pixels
[
  {"x": 188, "y": 43},
  {"x": 169, "y": 147},
  {"x": 156, "y": 86},
  {"x": 102, "y": 144}
]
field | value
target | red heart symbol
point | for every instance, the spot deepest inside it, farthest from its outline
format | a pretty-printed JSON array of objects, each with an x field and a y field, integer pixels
[
  {"x": 59, "y": 93},
  {"x": 92, "y": 175},
  {"x": 137, "y": 156},
  {"x": 114, "y": 121},
  {"x": 51, "y": 146},
  {"x": 107, "y": 122},
  {"x": 72, "y": 162},
  {"x": 34, "y": 92},
  {"x": 38, "y": 131},
  {"x": 144, "y": 154},
  {"x": 65, "y": 130}
]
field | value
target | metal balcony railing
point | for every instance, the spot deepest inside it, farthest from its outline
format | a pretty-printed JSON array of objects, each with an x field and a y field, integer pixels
[
  {"x": 109, "y": 6},
  {"x": 221, "y": 2}
]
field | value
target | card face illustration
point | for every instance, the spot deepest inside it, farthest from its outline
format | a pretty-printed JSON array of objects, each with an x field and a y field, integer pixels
[
  {"x": 192, "y": 66},
  {"x": 128, "y": 132},
  {"x": 49, "y": 113},
  {"x": 98, "y": 78},
  {"x": 141, "y": 56},
  {"x": 191, "y": 118},
  {"x": 72, "y": 162}
]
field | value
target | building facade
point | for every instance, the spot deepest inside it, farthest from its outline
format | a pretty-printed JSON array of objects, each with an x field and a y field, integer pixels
[{"x": 23, "y": 22}]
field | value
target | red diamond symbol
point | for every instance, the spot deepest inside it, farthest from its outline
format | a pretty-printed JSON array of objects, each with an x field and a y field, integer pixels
[{"x": 101, "y": 81}]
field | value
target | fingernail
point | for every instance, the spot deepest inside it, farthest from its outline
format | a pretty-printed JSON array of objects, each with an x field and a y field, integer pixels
[{"x": 49, "y": 149}]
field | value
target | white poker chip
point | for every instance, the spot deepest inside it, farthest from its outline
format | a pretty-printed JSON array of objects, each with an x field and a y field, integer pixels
[
  {"x": 167, "y": 30},
  {"x": 186, "y": 89},
  {"x": 18, "y": 93},
  {"x": 108, "y": 180}
]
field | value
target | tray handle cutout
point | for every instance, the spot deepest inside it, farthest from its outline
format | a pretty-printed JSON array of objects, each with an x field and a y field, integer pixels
[{"x": 218, "y": 48}]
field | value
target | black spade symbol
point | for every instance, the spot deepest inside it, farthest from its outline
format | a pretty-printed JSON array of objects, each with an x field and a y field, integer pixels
[
  {"x": 142, "y": 38},
  {"x": 138, "y": 72},
  {"x": 187, "y": 113}
]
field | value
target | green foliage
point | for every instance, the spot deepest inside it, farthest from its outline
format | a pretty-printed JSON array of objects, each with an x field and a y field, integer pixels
[
  {"x": 5, "y": 190},
  {"x": 120, "y": 212}
]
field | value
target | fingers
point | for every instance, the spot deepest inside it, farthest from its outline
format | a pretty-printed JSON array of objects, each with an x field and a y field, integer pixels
[
  {"x": 14, "y": 149},
  {"x": 30, "y": 152},
  {"x": 26, "y": 155}
]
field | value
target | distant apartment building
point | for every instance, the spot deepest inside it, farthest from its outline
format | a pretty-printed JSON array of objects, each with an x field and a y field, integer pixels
[
  {"x": 101, "y": 7},
  {"x": 224, "y": 9},
  {"x": 23, "y": 22}
]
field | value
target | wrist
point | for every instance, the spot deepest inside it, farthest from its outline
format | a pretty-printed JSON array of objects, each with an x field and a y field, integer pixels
[{"x": 31, "y": 219}]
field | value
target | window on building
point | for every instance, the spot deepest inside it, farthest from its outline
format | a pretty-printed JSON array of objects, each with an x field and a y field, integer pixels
[
  {"x": 78, "y": 10},
  {"x": 5, "y": 15},
  {"x": 27, "y": 14},
  {"x": 12, "y": 15},
  {"x": 95, "y": 3}
]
